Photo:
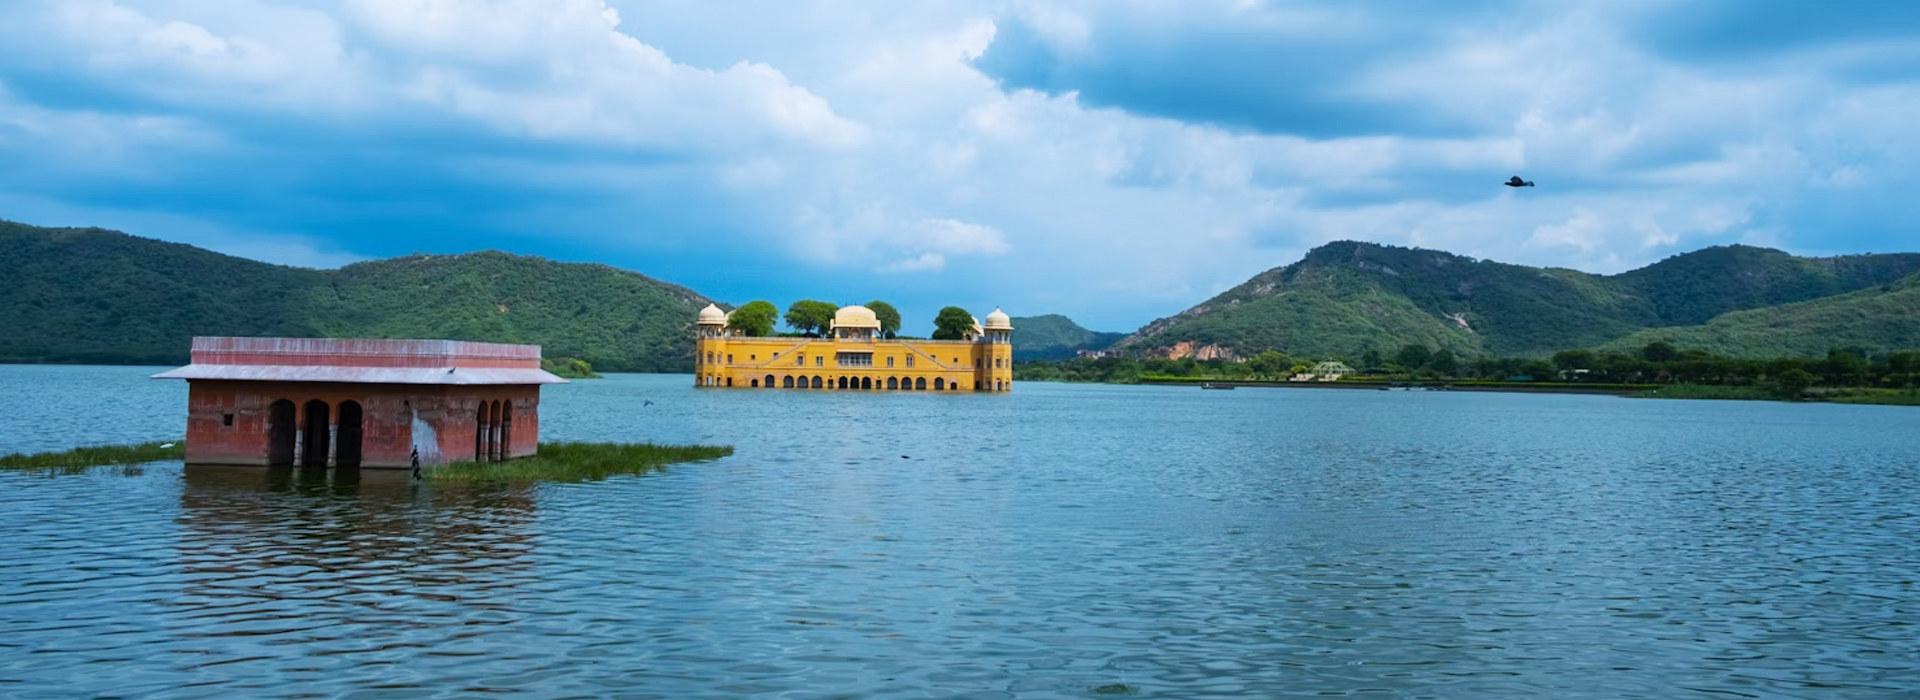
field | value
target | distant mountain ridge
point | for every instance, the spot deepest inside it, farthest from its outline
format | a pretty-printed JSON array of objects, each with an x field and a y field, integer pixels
[
  {"x": 1054, "y": 337},
  {"x": 1347, "y": 297},
  {"x": 92, "y": 295}
]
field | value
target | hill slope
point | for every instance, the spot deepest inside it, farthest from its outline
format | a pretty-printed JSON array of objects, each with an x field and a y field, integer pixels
[
  {"x": 1878, "y": 320},
  {"x": 1345, "y": 298},
  {"x": 1052, "y": 337},
  {"x": 89, "y": 295}
]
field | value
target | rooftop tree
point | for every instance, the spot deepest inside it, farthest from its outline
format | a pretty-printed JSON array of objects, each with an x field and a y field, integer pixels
[
  {"x": 810, "y": 316},
  {"x": 889, "y": 317},
  {"x": 952, "y": 323},
  {"x": 755, "y": 319}
]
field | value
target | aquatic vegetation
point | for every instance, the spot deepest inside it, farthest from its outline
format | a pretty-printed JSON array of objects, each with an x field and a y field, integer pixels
[
  {"x": 1713, "y": 393},
  {"x": 80, "y": 458},
  {"x": 579, "y": 461}
]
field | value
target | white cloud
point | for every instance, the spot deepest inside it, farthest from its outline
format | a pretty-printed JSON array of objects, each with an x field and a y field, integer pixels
[
  {"x": 925, "y": 262},
  {"x": 863, "y": 138}
]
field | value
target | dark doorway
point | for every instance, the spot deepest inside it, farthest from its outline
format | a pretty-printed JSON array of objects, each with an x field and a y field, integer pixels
[
  {"x": 347, "y": 454},
  {"x": 281, "y": 424},
  {"x": 480, "y": 438},
  {"x": 506, "y": 430},
  {"x": 493, "y": 433},
  {"x": 316, "y": 434}
]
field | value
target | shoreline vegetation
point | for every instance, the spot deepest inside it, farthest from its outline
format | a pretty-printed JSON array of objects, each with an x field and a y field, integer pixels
[
  {"x": 578, "y": 461},
  {"x": 90, "y": 456},
  {"x": 1659, "y": 370},
  {"x": 569, "y": 368}
]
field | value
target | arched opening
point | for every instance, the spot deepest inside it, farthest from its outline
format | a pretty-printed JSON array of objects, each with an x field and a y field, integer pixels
[
  {"x": 281, "y": 424},
  {"x": 866, "y": 382},
  {"x": 939, "y": 383},
  {"x": 976, "y": 385},
  {"x": 506, "y": 430},
  {"x": 786, "y": 382},
  {"x": 315, "y": 432},
  {"x": 729, "y": 381},
  {"x": 893, "y": 382},
  {"x": 493, "y": 434},
  {"x": 769, "y": 383},
  {"x": 480, "y": 438},
  {"x": 348, "y": 452},
  {"x": 755, "y": 384},
  {"x": 843, "y": 382},
  {"x": 920, "y": 384},
  {"x": 817, "y": 383}
]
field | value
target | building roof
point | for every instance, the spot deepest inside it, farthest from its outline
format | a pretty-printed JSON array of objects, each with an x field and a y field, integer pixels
[
  {"x": 999, "y": 321},
  {"x": 363, "y": 361},
  {"x": 713, "y": 315},
  {"x": 855, "y": 317}
]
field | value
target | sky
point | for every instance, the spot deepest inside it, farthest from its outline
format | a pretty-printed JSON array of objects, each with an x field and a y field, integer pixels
[{"x": 1112, "y": 160}]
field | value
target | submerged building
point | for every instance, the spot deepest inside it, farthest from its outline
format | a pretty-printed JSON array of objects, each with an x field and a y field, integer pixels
[
  {"x": 351, "y": 402},
  {"x": 854, "y": 357}
]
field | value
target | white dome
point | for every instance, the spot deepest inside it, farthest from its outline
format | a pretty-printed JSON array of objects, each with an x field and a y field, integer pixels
[
  {"x": 713, "y": 314},
  {"x": 855, "y": 317},
  {"x": 999, "y": 321}
]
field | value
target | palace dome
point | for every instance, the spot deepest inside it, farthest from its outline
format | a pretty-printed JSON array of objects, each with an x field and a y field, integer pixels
[
  {"x": 713, "y": 314},
  {"x": 999, "y": 321},
  {"x": 855, "y": 317}
]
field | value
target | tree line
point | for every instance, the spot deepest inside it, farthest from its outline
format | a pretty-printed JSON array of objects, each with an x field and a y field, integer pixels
[
  {"x": 812, "y": 318},
  {"x": 1656, "y": 363}
]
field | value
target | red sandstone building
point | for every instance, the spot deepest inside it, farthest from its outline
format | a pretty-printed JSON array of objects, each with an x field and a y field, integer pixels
[{"x": 351, "y": 403}]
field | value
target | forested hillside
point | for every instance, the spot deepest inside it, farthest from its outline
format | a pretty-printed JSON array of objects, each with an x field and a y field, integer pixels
[
  {"x": 1052, "y": 337},
  {"x": 1345, "y": 298},
  {"x": 89, "y": 295},
  {"x": 1870, "y": 322}
]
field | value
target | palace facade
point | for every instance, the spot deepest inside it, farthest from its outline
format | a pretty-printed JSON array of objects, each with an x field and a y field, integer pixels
[{"x": 854, "y": 357}]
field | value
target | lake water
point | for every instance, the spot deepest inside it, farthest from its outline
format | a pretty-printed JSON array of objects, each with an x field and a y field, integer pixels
[{"x": 1061, "y": 541}]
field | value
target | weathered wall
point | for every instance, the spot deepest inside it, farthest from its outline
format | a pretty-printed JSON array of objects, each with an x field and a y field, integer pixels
[{"x": 388, "y": 416}]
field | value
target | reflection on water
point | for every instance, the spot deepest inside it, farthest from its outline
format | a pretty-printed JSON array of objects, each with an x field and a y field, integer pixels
[{"x": 1059, "y": 542}]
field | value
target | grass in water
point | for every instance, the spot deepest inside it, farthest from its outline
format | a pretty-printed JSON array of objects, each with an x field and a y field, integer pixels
[
  {"x": 81, "y": 458},
  {"x": 1702, "y": 391},
  {"x": 579, "y": 461}
]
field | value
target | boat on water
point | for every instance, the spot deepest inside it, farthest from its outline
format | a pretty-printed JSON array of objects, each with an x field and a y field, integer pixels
[{"x": 1211, "y": 385}]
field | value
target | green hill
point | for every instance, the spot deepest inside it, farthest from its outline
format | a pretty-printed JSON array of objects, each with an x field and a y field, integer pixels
[
  {"x": 90, "y": 295},
  {"x": 1345, "y": 298},
  {"x": 1877, "y": 320},
  {"x": 1052, "y": 337}
]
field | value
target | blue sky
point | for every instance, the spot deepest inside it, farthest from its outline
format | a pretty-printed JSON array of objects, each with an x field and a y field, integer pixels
[{"x": 1112, "y": 160}]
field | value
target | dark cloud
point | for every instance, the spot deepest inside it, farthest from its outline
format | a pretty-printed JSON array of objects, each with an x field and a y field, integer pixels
[
  {"x": 1738, "y": 30},
  {"x": 1239, "y": 73}
]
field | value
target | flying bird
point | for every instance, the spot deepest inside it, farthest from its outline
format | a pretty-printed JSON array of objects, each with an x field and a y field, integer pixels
[{"x": 1517, "y": 182}]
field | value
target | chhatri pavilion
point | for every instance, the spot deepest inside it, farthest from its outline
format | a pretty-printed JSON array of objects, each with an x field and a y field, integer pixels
[{"x": 854, "y": 356}]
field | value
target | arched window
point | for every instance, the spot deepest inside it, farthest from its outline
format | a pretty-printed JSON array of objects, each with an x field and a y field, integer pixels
[
  {"x": 506, "y": 430},
  {"x": 920, "y": 383},
  {"x": 481, "y": 422},
  {"x": 893, "y": 382},
  {"x": 347, "y": 453},
  {"x": 281, "y": 427},
  {"x": 787, "y": 382},
  {"x": 317, "y": 433},
  {"x": 493, "y": 433},
  {"x": 939, "y": 384},
  {"x": 769, "y": 383},
  {"x": 866, "y": 382},
  {"x": 843, "y": 382},
  {"x": 816, "y": 383}
]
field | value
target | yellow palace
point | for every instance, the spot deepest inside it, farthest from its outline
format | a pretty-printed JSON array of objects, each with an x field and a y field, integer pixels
[{"x": 854, "y": 357}]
